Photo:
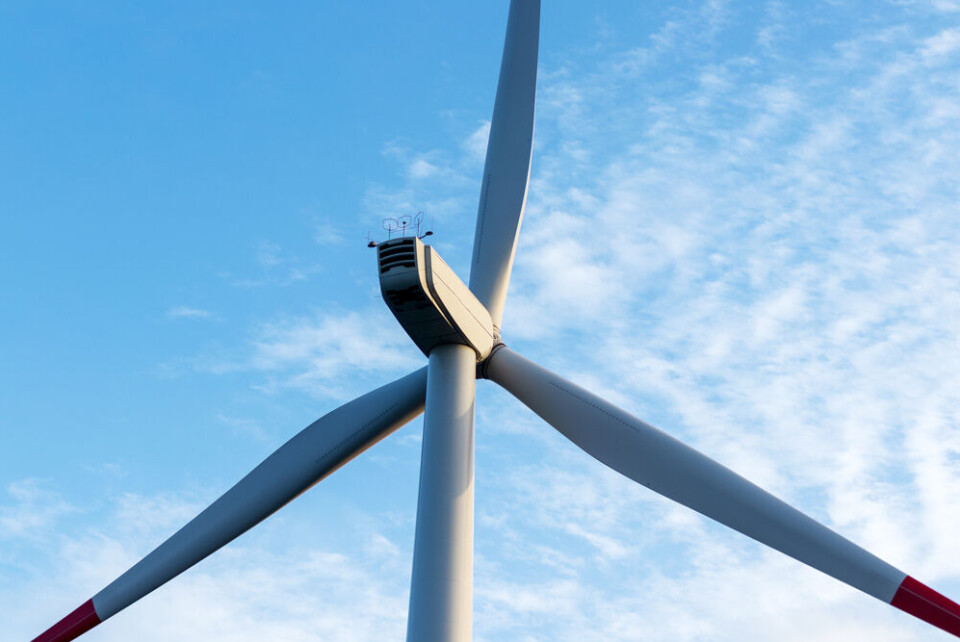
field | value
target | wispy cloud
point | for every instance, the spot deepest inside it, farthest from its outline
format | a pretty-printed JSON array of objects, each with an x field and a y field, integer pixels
[
  {"x": 476, "y": 143},
  {"x": 324, "y": 354},
  {"x": 248, "y": 591},
  {"x": 333, "y": 354},
  {"x": 327, "y": 233},
  {"x": 762, "y": 264},
  {"x": 277, "y": 266},
  {"x": 443, "y": 184},
  {"x": 29, "y": 509},
  {"x": 187, "y": 312},
  {"x": 245, "y": 426}
]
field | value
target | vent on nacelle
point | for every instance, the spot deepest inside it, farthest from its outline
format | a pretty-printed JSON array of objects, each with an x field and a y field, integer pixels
[
  {"x": 411, "y": 295},
  {"x": 402, "y": 254}
]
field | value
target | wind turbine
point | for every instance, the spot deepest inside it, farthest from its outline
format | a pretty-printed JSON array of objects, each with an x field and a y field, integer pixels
[{"x": 458, "y": 328}]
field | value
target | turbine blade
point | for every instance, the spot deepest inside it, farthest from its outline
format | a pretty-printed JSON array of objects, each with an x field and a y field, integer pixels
[
  {"x": 507, "y": 168},
  {"x": 678, "y": 472},
  {"x": 307, "y": 458}
]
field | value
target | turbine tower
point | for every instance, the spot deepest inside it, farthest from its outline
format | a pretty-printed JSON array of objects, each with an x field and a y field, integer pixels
[{"x": 458, "y": 328}]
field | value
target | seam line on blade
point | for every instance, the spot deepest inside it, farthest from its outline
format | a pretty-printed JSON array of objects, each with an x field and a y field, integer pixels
[
  {"x": 595, "y": 406},
  {"x": 926, "y": 600},
  {"x": 355, "y": 433},
  {"x": 483, "y": 220}
]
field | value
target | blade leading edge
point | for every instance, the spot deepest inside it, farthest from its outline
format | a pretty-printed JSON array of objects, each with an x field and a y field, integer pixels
[
  {"x": 507, "y": 168},
  {"x": 317, "y": 451},
  {"x": 678, "y": 472}
]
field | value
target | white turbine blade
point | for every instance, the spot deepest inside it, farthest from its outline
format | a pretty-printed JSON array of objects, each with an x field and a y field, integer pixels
[
  {"x": 308, "y": 457},
  {"x": 678, "y": 472},
  {"x": 507, "y": 167}
]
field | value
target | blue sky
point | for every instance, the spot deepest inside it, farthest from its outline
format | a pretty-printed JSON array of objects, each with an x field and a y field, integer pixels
[{"x": 742, "y": 227}]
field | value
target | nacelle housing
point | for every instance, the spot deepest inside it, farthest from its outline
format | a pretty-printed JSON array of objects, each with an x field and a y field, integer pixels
[{"x": 429, "y": 300}]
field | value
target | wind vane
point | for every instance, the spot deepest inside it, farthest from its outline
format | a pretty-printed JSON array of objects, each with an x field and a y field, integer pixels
[{"x": 401, "y": 226}]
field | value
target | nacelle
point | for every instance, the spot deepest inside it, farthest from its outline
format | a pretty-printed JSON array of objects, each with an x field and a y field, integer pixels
[{"x": 431, "y": 303}]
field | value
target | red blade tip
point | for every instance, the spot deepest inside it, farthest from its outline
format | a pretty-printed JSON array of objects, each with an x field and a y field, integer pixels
[
  {"x": 83, "y": 618},
  {"x": 923, "y": 602}
]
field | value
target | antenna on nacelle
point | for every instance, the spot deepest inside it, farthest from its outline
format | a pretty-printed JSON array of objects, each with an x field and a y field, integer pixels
[
  {"x": 402, "y": 225},
  {"x": 418, "y": 219}
]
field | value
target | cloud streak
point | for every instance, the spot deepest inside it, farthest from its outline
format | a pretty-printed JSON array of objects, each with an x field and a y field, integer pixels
[{"x": 187, "y": 312}]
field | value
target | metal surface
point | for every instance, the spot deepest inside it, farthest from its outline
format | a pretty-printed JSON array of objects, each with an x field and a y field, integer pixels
[
  {"x": 506, "y": 171},
  {"x": 667, "y": 466},
  {"x": 441, "y": 589}
]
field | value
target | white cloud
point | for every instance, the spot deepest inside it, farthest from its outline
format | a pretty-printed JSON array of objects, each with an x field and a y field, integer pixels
[
  {"x": 769, "y": 274},
  {"x": 245, "y": 426},
  {"x": 942, "y": 44},
  {"x": 30, "y": 510},
  {"x": 324, "y": 354},
  {"x": 244, "y": 592},
  {"x": 187, "y": 312},
  {"x": 277, "y": 266},
  {"x": 476, "y": 143},
  {"x": 421, "y": 168},
  {"x": 269, "y": 254},
  {"x": 328, "y": 234}
]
